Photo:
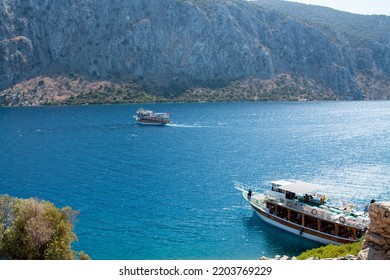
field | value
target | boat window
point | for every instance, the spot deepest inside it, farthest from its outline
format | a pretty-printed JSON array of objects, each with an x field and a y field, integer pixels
[
  {"x": 278, "y": 190},
  {"x": 346, "y": 232},
  {"x": 290, "y": 195},
  {"x": 270, "y": 208},
  {"x": 311, "y": 222},
  {"x": 327, "y": 227},
  {"x": 295, "y": 217},
  {"x": 282, "y": 212}
]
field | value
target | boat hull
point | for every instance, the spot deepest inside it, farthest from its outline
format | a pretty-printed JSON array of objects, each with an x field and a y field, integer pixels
[
  {"x": 153, "y": 123},
  {"x": 297, "y": 229}
]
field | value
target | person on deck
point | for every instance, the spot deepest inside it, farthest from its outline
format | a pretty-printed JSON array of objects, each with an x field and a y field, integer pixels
[{"x": 249, "y": 194}]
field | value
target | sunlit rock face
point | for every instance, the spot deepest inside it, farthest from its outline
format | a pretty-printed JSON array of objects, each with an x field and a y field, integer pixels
[
  {"x": 376, "y": 245},
  {"x": 168, "y": 42}
]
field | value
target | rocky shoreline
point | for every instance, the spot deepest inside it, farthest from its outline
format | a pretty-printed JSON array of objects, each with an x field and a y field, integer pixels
[
  {"x": 285, "y": 258},
  {"x": 376, "y": 245}
]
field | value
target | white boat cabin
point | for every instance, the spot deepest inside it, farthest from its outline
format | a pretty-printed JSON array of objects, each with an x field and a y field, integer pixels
[{"x": 299, "y": 190}]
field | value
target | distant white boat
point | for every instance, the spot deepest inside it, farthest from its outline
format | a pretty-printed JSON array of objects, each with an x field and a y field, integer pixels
[
  {"x": 296, "y": 207},
  {"x": 149, "y": 117}
]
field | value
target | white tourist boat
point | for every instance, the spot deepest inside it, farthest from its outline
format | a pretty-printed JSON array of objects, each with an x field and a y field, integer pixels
[
  {"x": 149, "y": 117},
  {"x": 297, "y": 207}
]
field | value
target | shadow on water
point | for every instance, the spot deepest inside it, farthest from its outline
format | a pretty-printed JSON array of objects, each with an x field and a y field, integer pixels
[{"x": 275, "y": 241}]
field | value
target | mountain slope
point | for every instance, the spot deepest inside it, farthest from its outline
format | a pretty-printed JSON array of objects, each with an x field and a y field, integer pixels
[{"x": 168, "y": 47}]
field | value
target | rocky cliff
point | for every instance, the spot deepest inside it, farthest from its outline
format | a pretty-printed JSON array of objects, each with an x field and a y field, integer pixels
[
  {"x": 376, "y": 245},
  {"x": 173, "y": 45}
]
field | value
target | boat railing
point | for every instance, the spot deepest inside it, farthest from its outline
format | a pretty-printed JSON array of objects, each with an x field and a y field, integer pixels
[
  {"x": 257, "y": 198},
  {"x": 242, "y": 186}
]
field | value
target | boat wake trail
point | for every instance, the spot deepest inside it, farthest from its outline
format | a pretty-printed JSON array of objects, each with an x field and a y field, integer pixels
[{"x": 187, "y": 125}]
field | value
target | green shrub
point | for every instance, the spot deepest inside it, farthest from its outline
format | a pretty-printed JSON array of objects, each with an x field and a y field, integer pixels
[
  {"x": 32, "y": 229},
  {"x": 332, "y": 251}
]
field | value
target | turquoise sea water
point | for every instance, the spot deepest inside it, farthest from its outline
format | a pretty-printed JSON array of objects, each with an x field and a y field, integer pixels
[{"x": 148, "y": 192}]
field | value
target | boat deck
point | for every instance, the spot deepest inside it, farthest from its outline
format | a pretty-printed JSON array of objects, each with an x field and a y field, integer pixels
[
  {"x": 326, "y": 212},
  {"x": 312, "y": 219}
]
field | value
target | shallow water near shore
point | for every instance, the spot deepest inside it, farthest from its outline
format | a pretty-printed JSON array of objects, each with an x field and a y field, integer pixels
[{"x": 152, "y": 192}]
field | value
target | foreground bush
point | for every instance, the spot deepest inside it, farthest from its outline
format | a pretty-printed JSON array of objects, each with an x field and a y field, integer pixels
[
  {"x": 332, "y": 251},
  {"x": 32, "y": 229}
]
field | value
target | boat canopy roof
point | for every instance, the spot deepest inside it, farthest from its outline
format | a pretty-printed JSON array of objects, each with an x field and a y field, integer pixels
[{"x": 297, "y": 187}]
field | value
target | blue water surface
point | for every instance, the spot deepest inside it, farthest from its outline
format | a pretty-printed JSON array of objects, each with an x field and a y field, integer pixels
[{"x": 146, "y": 192}]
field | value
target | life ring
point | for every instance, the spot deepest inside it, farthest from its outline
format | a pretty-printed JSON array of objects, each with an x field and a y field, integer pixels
[
  {"x": 342, "y": 219},
  {"x": 314, "y": 211}
]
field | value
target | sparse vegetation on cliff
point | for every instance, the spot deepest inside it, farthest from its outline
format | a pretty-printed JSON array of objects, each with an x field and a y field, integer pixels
[{"x": 74, "y": 90}]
